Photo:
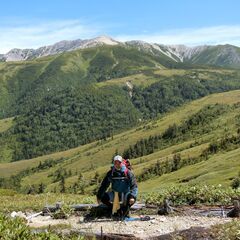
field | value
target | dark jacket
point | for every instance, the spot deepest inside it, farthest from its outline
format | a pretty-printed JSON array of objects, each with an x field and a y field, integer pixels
[{"x": 122, "y": 181}]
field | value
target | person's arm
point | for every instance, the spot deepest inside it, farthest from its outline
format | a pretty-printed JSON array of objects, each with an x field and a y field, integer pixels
[
  {"x": 133, "y": 186},
  {"x": 104, "y": 186}
]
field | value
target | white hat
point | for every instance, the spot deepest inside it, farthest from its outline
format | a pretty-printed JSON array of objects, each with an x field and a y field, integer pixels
[{"x": 117, "y": 158}]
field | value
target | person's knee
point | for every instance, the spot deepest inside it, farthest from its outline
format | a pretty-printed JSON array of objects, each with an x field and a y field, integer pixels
[
  {"x": 105, "y": 199},
  {"x": 131, "y": 200}
]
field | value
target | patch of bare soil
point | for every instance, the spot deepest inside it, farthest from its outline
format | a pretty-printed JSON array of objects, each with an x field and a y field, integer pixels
[{"x": 160, "y": 227}]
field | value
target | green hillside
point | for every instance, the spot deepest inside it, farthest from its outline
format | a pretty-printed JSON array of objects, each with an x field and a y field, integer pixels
[
  {"x": 204, "y": 149},
  {"x": 219, "y": 169},
  {"x": 65, "y": 116},
  {"x": 6, "y": 148},
  {"x": 24, "y": 84},
  {"x": 79, "y": 115},
  {"x": 5, "y": 124},
  {"x": 58, "y": 103}
]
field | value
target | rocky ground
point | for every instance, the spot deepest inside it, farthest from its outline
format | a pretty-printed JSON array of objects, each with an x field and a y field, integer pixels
[
  {"x": 192, "y": 222},
  {"x": 158, "y": 226}
]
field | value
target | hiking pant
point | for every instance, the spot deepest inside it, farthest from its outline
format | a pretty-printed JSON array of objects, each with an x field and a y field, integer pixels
[{"x": 108, "y": 197}]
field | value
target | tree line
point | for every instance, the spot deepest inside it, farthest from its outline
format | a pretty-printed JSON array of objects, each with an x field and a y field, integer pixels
[
  {"x": 171, "y": 164},
  {"x": 195, "y": 125}
]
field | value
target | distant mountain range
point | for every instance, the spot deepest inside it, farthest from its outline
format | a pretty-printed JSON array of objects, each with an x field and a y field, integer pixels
[
  {"x": 60, "y": 47},
  {"x": 219, "y": 55}
]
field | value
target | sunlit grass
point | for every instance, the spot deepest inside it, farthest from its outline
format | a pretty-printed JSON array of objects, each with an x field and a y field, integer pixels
[
  {"x": 5, "y": 124},
  {"x": 21, "y": 202},
  {"x": 217, "y": 169},
  {"x": 96, "y": 157}
]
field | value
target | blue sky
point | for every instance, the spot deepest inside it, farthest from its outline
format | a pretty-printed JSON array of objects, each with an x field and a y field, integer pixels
[{"x": 31, "y": 23}]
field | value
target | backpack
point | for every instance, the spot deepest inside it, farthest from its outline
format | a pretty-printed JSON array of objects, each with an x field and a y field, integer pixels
[{"x": 127, "y": 163}]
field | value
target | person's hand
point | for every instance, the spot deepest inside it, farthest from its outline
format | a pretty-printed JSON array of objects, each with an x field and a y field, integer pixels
[
  {"x": 131, "y": 201},
  {"x": 98, "y": 201}
]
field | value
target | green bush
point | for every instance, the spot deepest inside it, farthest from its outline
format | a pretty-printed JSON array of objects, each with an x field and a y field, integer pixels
[
  {"x": 63, "y": 213},
  {"x": 7, "y": 192},
  {"x": 194, "y": 195},
  {"x": 228, "y": 231},
  {"x": 236, "y": 183},
  {"x": 16, "y": 229}
]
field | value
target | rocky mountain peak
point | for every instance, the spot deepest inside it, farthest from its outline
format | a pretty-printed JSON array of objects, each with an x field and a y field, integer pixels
[
  {"x": 59, "y": 47},
  {"x": 106, "y": 40},
  {"x": 17, "y": 54},
  {"x": 184, "y": 52}
]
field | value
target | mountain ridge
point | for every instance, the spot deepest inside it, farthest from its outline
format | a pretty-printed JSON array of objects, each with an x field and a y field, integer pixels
[
  {"x": 17, "y": 54},
  {"x": 219, "y": 55}
]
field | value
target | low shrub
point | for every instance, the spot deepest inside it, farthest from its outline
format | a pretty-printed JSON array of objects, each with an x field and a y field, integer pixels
[{"x": 194, "y": 195}]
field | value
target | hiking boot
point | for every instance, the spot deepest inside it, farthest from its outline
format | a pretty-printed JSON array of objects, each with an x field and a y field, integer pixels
[
  {"x": 125, "y": 211},
  {"x": 88, "y": 217},
  {"x": 118, "y": 216}
]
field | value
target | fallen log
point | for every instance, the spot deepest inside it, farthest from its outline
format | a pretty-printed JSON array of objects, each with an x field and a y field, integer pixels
[
  {"x": 34, "y": 215},
  {"x": 116, "y": 236},
  {"x": 104, "y": 236},
  {"x": 83, "y": 207}
]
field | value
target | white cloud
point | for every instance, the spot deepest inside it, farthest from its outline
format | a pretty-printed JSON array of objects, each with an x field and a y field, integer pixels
[
  {"x": 35, "y": 35},
  {"x": 191, "y": 37}
]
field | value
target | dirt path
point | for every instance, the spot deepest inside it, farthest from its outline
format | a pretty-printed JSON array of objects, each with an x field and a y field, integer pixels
[{"x": 160, "y": 225}]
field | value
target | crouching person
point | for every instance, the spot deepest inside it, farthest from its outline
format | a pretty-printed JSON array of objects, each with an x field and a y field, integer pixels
[{"x": 124, "y": 188}]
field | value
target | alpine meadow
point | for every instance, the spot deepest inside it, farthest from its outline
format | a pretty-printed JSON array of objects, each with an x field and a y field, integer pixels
[{"x": 65, "y": 115}]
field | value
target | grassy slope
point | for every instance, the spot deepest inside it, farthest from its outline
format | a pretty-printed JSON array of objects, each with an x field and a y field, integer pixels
[
  {"x": 96, "y": 156},
  {"x": 15, "y": 80},
  {"x": 5, "y": 124},
  {"x": 144, "y": 79},
  {"x": 220, "y": 168},
  {"x": 5, "y": 151}
]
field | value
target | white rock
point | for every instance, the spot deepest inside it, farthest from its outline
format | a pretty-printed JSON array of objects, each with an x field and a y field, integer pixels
[
  {"x": 18, "y": 214},
  {"x": 13, "y": 214}
]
